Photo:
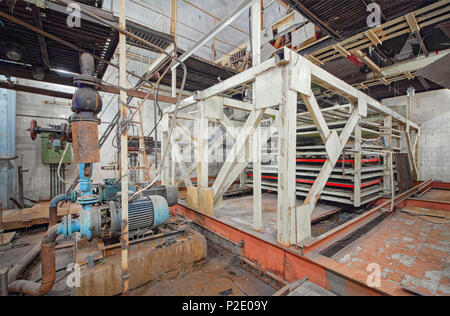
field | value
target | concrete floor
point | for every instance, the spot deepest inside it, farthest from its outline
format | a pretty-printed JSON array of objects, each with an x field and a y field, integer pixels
[
  {"x": 215, "y": 277},
  {"x": 438, "y": 195},
  {"x": 238, "y": 212}
]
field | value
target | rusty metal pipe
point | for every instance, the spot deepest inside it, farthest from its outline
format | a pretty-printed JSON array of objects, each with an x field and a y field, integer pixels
[
  {"x": 48, "y": 268},
  {"x": 53, "y": 215}
]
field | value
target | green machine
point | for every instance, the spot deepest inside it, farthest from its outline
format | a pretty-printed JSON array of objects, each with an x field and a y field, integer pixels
[
  {"x": 53, "y": 149},
  {"x": 51, "y": 153}
]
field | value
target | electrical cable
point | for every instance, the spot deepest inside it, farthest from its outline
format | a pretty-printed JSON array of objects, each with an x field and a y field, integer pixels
[
  {"x": 172, "y": 127},
  {"x": 173, "y": 58},
  {"x": 58, "y": 172}
]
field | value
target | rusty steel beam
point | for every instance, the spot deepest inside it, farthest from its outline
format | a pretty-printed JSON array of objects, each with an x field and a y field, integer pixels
[
  {"x": 280, "y": 261},
  {"x": 68, "y": 96},
  {"x": 428, "y": 204},
  {"x": 138, "y": 94},
  {"x": 28, "y": 89}
]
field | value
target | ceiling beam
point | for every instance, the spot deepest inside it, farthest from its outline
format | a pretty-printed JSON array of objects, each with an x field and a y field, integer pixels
[
  {"x": 316, "y": 20},
  {"x": 42, "y": 42},
  {"x": 217, "y": 29},
  {"x": 40, "y": 91},
  {"x": 415, "y": 29}
]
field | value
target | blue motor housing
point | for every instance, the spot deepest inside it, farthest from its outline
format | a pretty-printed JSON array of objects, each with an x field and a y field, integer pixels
[{"x": 145, "y": 213}]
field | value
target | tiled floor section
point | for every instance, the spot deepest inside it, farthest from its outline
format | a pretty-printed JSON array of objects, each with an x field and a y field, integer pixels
[
  {"x": 411, "y": 252},
  {"x": 439, "y": 195}
]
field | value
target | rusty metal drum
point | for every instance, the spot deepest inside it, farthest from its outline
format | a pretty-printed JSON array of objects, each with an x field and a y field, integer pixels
[{"x": 85, "y": 142}]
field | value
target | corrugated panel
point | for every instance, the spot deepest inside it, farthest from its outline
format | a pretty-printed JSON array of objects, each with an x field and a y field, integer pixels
[
  {"x": 201, "y": 74},
  {"x": 93, "y": 37},
  {"x": 349, "y": 17}
]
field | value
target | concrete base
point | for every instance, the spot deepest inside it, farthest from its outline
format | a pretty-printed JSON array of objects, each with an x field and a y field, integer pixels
[{"x": 145, "y": 264}]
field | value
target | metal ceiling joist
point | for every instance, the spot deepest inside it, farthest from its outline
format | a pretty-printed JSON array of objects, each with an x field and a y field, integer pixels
[{"x": 217, "y": 29}]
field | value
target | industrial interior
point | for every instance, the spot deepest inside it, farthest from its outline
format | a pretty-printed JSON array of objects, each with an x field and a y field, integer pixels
[{"x": 224, "y": 148}]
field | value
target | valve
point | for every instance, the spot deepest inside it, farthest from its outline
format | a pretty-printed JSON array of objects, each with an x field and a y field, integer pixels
[{"x": 62, "y": 132}]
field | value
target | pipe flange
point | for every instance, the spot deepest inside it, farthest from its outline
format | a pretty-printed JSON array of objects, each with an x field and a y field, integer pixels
[{"x": 88, "y": 199}]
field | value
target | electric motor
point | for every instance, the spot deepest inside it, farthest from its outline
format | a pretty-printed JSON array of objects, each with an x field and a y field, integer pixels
[
  {"x": 145, "y": 213},
  {"x": 170, "y": 193}
]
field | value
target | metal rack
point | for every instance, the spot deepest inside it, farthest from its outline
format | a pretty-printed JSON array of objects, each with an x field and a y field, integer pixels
[{"x": 351, "y": 182}]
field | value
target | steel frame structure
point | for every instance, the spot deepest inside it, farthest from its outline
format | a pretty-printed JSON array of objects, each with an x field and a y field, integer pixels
[{"x": 278, "y": 85}]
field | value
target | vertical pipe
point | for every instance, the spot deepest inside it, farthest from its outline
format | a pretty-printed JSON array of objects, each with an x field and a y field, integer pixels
[
  {"x": 173, "y": 32},
  {"x": 20, "y": 172},
  {"x": 214, "y": 45},
  {"x": 173, "y": 20},
  {"x": 64, "y": 176},
  {"x": 262, "y": 14},
  {"x": 174, "y": 95},
  {"x": 59, "y": 182},
  {"x": 155, "y": 116},
  {"x": 124, "y": 150},
  {"x": 51, "y": 181}
]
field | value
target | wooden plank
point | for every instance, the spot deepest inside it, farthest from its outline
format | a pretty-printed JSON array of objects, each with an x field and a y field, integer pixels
[
  {"x": 7, "y": 238},
  {"x": 206, "y": 201},
  {"x": 36, "y": 215},
  {"x": 192, "y": 197}
]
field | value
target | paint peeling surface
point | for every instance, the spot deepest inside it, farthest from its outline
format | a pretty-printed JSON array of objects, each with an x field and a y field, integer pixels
[{"x": 413, "y": 252}]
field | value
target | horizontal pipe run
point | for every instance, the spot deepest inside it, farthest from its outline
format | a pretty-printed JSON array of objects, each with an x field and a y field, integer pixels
[{"x": 48, "y": 268}]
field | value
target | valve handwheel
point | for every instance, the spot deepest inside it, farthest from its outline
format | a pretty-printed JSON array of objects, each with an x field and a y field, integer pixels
[{"x": 33, "y": 127}]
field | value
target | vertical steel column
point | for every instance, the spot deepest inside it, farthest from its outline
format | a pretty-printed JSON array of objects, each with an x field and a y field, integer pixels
[
  {"x": 124, "y": 149},
  {"x": 256, "y": 57},
  {"x": 202, "y": 138},
  {"x": 387, "y": 137},
  {"x": 357, "y": 164},
  {"x": 287, "y": 143}
]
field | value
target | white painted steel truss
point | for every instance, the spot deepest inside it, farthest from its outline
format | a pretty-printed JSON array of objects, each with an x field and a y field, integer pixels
[{"x": 278, "y": 84}]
